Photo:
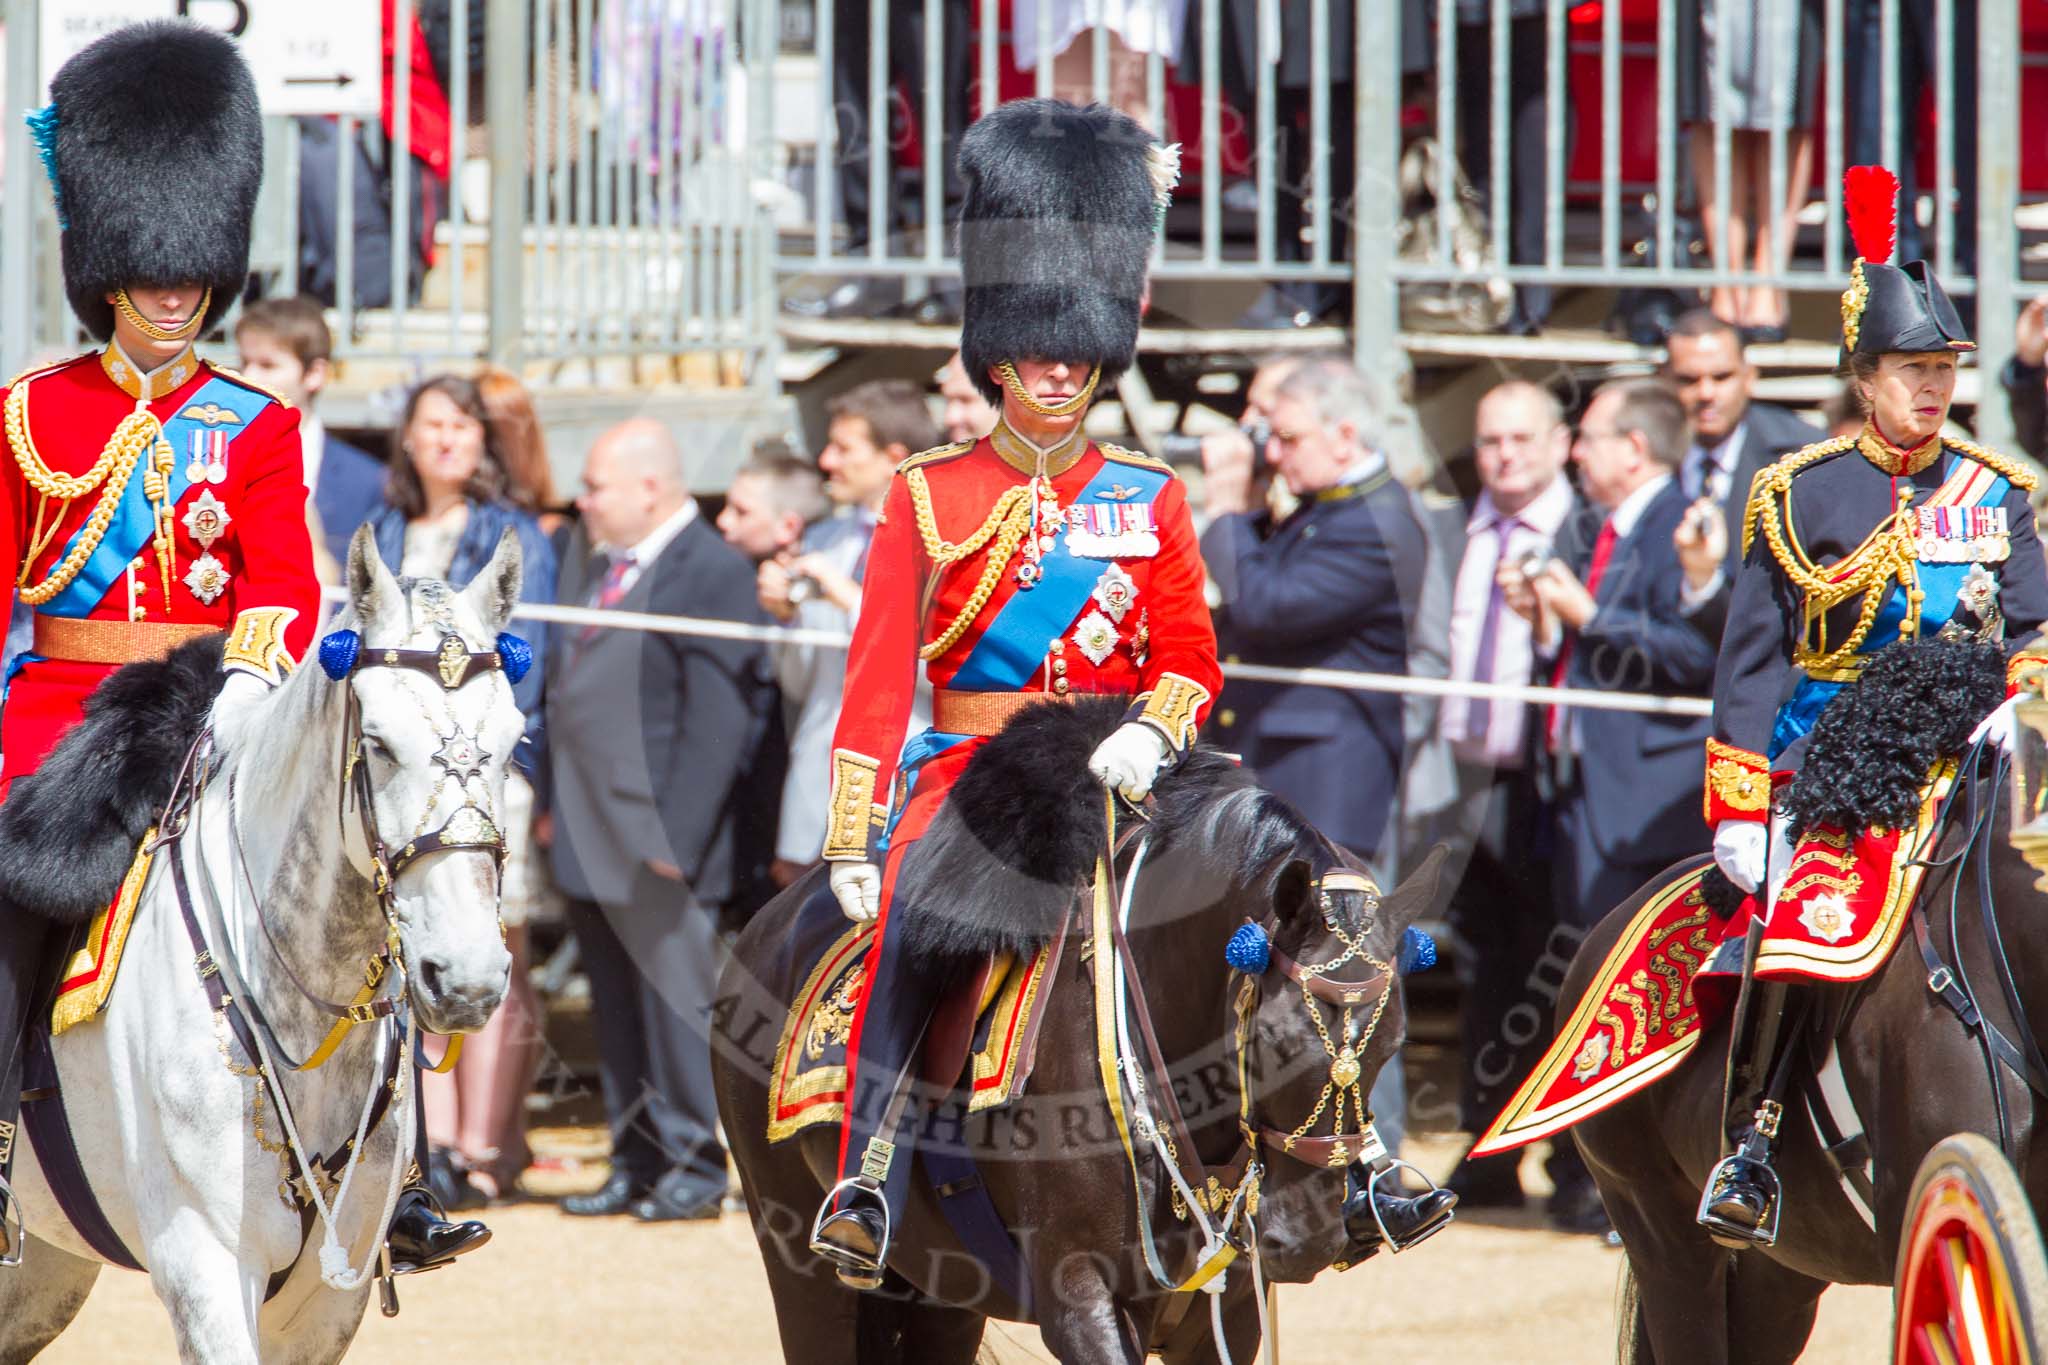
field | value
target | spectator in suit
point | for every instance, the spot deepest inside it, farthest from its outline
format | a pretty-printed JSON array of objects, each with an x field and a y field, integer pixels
[
  {"x": 1628, "y": 782},
  {"x": 1734, "y": 438},
  {"x": 1333, "y": 585},
  {"x": 446, "y": 508},
  {"x": 654, "y": 735},
  {"x": 287, "y": 348},
  {"x": 1501, "y": 911},
  {"x": 776, "y": 496}
]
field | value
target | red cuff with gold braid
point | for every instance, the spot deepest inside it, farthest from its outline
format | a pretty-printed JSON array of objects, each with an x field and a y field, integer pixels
[
  {"x": 2025, "y": 662},
  {"x": 1738, "y": 784}
]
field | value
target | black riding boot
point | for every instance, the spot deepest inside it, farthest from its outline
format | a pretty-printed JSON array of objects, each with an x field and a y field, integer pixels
[
  {"x": 854, "y": 1224},
  {"x": 23, "y": 938},
  {"x": 1739, "y": 1207},
  {"x": 420, "y": 1236},
  {"x": 1379, "y": 1211}
]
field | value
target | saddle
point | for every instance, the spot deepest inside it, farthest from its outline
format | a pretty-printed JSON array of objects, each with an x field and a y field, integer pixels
[{"x": 981, "y": 1043}]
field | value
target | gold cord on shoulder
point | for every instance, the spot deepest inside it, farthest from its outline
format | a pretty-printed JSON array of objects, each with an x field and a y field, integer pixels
[
  {"x": 1008, "y": 522},
  {"x": 110, "y": 473},
  {"x": 1889, "y": 553},
  {"x": 2014, "y": 473}
]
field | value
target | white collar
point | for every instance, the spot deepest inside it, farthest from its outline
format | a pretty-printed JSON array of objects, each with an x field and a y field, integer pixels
[
  {"x": 1546, "y": 512},
  {"x": 649, "y": 547},
  {"x": 1631, "y": 508}
]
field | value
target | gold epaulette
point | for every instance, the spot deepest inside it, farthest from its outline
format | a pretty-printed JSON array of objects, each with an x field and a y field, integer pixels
[
  {"x": 1132, "y": 457},
  {"x": 1775, "y": 480},
  {"x": 236, "y": 377},
  {"x": 2019, "y": 475},
  {"x": 933, "y": 456}
]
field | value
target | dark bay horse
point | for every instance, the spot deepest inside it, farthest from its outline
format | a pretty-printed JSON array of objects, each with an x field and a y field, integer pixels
[
  {"x": 1218, "y": 852},
  {"x": 1913, "y": 1071}
]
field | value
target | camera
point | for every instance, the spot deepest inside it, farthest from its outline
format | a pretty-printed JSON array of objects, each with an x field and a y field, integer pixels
[
  {"x": 1180, "y": 448},
  {"x": 802, "y": 588}
]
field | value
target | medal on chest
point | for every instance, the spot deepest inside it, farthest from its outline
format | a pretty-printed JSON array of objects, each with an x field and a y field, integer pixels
[
  {"x": 207, "y": 457},
  {"x": 1046, "y": 519},
  {"x": 1112, "y": 530},
  {"x": 1961, "y": 535}
]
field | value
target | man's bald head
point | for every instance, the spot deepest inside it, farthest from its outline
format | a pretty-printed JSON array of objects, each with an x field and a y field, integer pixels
[
  {"x": 1520, "y": 443},
  {"x": 633, "y": 481}
]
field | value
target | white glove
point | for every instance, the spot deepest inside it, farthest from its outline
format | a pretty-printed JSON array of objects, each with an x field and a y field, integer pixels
[
  {"x": 1739, "y": 851},
  {"x": 859, "y": 889},
  {"x": 1129, "y": 759},
  {"x": 238, "y": 695},
  {"x": 1997, "y": 727}
]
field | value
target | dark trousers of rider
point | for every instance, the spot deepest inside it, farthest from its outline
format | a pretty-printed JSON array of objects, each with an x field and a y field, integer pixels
[
  {"x": 1513, "y": 950},
  {"x": 886, "y": 1044},
  {"x": 24, "y": 938},
  {"x": 653, "y": 968}
]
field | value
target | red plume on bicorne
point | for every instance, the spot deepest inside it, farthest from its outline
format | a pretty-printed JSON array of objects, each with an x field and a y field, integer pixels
[{"x": 1870, "y": 195}]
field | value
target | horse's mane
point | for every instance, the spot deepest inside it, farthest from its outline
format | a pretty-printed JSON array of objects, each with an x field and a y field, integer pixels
[{"x": 1021, "y": 829}]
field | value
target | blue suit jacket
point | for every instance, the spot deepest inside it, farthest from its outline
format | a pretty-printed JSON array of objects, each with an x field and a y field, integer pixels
[
  {"x": 1333, "y": 586},
  {"x": 1639, "y": 774},
  {"x": 349, "y": 492}
]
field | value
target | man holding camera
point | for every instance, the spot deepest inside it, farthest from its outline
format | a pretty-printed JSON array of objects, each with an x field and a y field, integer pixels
[{"x": 1502, "y": 910}]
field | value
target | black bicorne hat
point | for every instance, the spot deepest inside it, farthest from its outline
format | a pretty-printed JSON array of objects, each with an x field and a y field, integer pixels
[
  {"x": 153, "y": 139},
  {"x": 1890, "y": 308},
  {"x": 1061, "y": 207}
]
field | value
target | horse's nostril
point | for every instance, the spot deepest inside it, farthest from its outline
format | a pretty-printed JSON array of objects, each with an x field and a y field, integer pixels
[{"x": 430, "y": 975}]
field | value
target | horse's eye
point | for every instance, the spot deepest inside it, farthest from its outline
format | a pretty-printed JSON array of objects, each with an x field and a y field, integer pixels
[{"x": 376, "y": 748}]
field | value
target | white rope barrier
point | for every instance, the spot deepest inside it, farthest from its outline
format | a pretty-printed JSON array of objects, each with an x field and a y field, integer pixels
[{"x": 707, "y": 628}]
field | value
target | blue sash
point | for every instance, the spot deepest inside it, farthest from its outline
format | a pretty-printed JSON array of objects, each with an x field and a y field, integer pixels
[
  {"x": 921, "y": 749},
  {"x": 1940, "y": 580},
  {"x": 134, "y": 522},
  {"x": 1013, "y": 647}
]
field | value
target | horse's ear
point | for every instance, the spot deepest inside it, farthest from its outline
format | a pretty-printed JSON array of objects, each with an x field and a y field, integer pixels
[
  {"x": 493, "y": 593},
  {"x": 1293, "y": 891},
  {"x": 372, "y": 591},
  {"x": 1417, "y": 895}
]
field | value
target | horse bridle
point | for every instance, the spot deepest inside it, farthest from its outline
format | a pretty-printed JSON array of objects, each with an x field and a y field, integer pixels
[{"x": 1252, "y": 954}]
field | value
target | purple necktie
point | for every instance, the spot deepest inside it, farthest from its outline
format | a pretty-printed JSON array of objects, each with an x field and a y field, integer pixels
[{"x": 1479, "y": 712}]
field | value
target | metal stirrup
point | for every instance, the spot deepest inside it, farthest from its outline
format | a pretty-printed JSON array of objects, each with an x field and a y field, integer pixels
[
  {"x": 832, "y": 1250},
  {"x": 13, "y": 1231}
]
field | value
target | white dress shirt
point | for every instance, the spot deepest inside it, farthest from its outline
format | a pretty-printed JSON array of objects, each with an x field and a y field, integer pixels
[{"x": 1499, "y": 741}]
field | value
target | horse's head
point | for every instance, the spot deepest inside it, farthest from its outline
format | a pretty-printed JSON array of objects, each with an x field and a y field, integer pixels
[
  {"x": 1320, "y": 1012},
  {"x": 431, "y": 727}
]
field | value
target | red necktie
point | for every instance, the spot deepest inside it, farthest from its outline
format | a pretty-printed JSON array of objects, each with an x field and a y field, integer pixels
[
  {"x": 1603, "y": 550},
  {"x": 610, "y": 593}
]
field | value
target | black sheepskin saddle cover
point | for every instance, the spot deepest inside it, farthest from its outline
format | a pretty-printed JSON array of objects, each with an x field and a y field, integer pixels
[
  {"x": 1016, "y": 839},
  {"x": 69, "y": 830},
  {"x": 1873, "y": 748}
]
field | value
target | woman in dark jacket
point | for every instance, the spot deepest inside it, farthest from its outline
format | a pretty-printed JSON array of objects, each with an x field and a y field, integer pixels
[{"x": 448, "y": 502}]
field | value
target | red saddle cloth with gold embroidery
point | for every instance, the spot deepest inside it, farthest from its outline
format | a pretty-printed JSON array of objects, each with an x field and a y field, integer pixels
[{"x": 1674, "y": 971}]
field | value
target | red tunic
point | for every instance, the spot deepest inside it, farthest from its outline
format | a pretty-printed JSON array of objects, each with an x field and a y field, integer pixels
[
  {"x": 1160, "y": 647},
  {"x": 263, "y": 550}
]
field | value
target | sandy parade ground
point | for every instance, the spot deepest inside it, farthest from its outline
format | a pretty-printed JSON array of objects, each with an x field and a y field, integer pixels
[{"x": 1496, "y": 1289}]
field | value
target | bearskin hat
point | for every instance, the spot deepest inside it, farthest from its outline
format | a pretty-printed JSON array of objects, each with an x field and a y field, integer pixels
[
  {"x": 1890, "y": 308},
  {"x": 153, "y": 139},
  {"x": 1057, "y": 224}
]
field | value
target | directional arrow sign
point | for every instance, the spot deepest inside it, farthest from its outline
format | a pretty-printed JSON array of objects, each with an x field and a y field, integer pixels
[{"x": 323, "y": 58}]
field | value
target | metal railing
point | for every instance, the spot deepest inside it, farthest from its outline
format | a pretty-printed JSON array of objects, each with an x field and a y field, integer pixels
[
  {"x": 621, "y": 143},
  {"x": 1623, "y": 210}
]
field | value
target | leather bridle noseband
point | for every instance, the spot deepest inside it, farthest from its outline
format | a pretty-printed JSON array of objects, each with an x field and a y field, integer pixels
[{"x": 1252, "y": 954}]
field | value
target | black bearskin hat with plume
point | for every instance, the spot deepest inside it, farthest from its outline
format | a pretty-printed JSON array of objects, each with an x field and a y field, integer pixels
[
  {"x": 1062, "y": 204},
  {"x": 1890, "y": 308},
  {"x": 153, "y": 140}
]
